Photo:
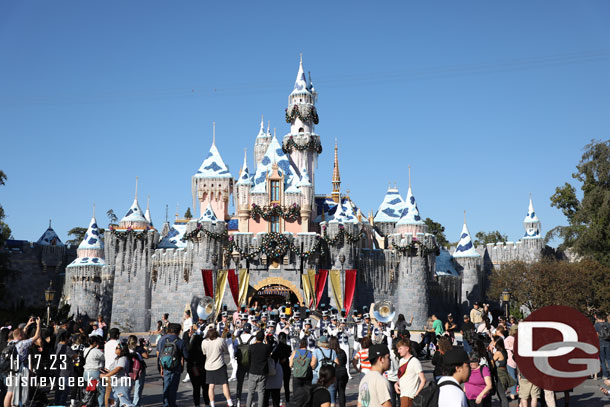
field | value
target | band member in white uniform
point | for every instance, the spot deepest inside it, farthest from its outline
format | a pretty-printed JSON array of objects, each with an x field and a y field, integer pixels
[
  {"x": 221, "y": 326},
  {"x": 309, "y": 333},
  {"x": 343, "y": 334}
]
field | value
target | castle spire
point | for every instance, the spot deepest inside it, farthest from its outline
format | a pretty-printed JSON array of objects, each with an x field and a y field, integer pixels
[
  {"x": 261, "y": 132},
  {"x": 136, "y": 197},
  {"x": 531, "y": 223},
  {"x": 147, "y": 213},
  {"x": 300, "y": 84},
  {"x": 336, "y": 176},
  {"x": 214, "y": 134},
  {"x": 244, "y": 175},
  {"x": 465, "y": 247}
]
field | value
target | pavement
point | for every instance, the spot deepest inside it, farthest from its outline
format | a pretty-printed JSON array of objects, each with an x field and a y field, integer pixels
[{"x": 585, "y": 395}]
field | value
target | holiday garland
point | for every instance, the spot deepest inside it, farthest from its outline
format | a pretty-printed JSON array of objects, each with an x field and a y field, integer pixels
[
  {"x": 305, "y": 112},
  {"x": 311, "y": 144},
  {"x": 292, "y": 213},
  {"x": 274, "y": 245},
  {"x": 212, "y": 235},
  {"x": 352, "y": 238},
  {"x": 404, "y": 250},
  {"x": 124, "y": 234}
]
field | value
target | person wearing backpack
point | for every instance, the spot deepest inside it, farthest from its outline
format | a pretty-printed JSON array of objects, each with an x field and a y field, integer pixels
[
  {"x": 243, "y": 358},
  {"x": 603, "y": 331},
  {"x": 301, "y": 364},
  {"x": 195, "y": 366},
  {"x": 137, "y": 354},
  {"x": 171, "y": 352},
  {"x": 94, "y": 361},
  {"x": 341, "y": 376},
  {"x": 324, "y": 356},
  {"x": 456, "y": 370},
  {"x": 479, "y": 385},
  {"x": 119, "y": 370}
]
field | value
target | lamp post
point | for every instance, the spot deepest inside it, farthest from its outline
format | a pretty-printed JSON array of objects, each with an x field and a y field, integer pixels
[
  {"x": 342, "y": 261},
  {"x": 506, "y": 301},
  {"x": 49, "y": 296}
]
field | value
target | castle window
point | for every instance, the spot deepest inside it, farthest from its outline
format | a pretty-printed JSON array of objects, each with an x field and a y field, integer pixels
[
  {"x": 274, "y": 224},
  {"x": 301, "y": 130},
  {"x": 275, "y": 191}
]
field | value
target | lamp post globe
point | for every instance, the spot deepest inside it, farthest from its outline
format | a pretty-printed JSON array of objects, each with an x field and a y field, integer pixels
[{"x": 49, "y": 296}]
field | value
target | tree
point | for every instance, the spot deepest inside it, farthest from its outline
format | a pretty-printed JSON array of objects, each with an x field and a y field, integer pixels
[
  {"x": 482, "y": 238},
  {"x": 438, "y": 231},
  {"x": 111, "y": 216},
  {"x": 588, "y": 230},
  {"x": 188, "y": 214},
  {"x": 78, "y": 234},
  {"x": 584, "y": 285},
  {"x": 5, "y": 234}
]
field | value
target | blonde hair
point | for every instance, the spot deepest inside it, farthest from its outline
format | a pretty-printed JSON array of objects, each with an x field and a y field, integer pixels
[{"x": 513, "y": 329}]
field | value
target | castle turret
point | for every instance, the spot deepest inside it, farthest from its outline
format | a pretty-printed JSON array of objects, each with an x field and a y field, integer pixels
[
  {"x": 336, "y": 194},
  {"x": 243, "y": 185},
  {"x": 262, "y": 142},
  {"x": 410, "y": 220},
  {"x": 134, "y": 218},
  {"x": 469, "y": 267},
  {"x": 147, "y": 213},
  {"x": 532, "y": 238},
  {"x": 213, "y": 183},
  {"x": 302, "y": 143},
  {"x": 306, "y": 189},
  {"x": 83, "y": 285},
  {"x": 389, "y": 212}
]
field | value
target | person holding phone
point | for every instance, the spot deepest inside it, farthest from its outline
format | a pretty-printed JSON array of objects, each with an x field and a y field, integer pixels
[{"x": 119, "y": 369}]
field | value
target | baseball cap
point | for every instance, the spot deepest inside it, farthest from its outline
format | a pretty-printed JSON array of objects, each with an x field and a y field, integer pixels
[
  {"x": 247, "y": 328},
  {"x": 366, "y": 316},
  {"x": 376, "y": 351},
  {"x": 466, "y": 316},
  {"x": 260, "y": 336},
  {"x": 455, "y": 356},
  {"x": 323, "y": 339}
]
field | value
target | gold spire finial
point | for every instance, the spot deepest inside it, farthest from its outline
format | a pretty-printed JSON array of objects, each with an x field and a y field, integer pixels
[
  {"x": 177, "y": 204},
  {"x": 336, "y": 176}
]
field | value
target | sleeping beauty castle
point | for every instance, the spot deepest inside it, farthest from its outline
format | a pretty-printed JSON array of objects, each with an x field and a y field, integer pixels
[{"x": 286, "y": 242}]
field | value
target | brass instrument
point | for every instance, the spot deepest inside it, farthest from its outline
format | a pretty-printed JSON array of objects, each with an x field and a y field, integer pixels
[
  {"x": 205, "y": 308},
  {"x": 383, "y": 311}
]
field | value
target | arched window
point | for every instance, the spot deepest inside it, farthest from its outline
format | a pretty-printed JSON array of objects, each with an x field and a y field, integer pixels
[{"x": 301, "y": 130}]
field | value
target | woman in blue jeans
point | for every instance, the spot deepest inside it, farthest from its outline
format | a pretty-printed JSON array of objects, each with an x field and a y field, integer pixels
[
  {"x": 324, "y": 356},
  {"x": 94, "y": 361},
  {"x": 119, "y": 375}
]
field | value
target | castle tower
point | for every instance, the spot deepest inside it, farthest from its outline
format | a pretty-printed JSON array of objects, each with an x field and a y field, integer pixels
[
  {"x": 410, "y": 220},
  {"x": 262, "y": 142},
  {"x": 84, "y": 275},
  {"x": 389, "y": 212},
  {"x": 213, "y": 183},
  {"x": 306, "y": 189},
  {"x": 469, "y": 261},
  {"x": 134, "y": 218},
  {"x": 147, "y": 213},
  {"x": 532, "y": 238},
  {"x": 302, "y": 143},
  {"x": 336, "y": 194},
  {"x": 243, "y": 194}
]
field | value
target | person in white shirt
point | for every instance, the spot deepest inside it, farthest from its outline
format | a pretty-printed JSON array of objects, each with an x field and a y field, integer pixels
[
  {"x": 374, "y": 389},
  {"x": 411, "y": 379},
  {"x": 94, "y": 361},
  {"x": 109, "y": 356},
  {"x": 456, "y": 366},
  {"x": 187, "y": 322},
  {"x": 97, "y": 331}
]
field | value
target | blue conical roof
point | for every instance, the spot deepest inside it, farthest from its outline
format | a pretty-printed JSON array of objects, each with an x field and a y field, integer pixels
[
  {"x": 391, "y": 208},
  {"x": 50, "y": 238},
  {"x": 274, "y": 154},
  {"x": 173, "y": 239},
  {"x": 213, "y": 166},
  {"x": 134, "y": 214},
  {"x": 93, "y": 237},
  {"x": 410, "y": 214},
  {"x": 465, "y": 247},
  {"x": 208, "y": 215}
]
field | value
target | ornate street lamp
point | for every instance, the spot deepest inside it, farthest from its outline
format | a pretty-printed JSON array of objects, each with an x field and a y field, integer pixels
[
  {"x": 49, "y": 296},
  {"x": 506, "y": 301},
  {"x": 342, "y": 274}
]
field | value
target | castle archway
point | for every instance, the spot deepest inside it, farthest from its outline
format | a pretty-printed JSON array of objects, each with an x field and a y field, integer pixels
[{"x": 276, "y": 291}]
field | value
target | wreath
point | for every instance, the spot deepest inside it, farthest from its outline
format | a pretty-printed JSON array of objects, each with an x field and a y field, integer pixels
[
  {"x": 275, "y": 245},
  {"x": 290, "y": 145},
  {"x": 292, "y": 213},
  {"x": 305, "y": 112},
  {"x": 138, "y": 234}
]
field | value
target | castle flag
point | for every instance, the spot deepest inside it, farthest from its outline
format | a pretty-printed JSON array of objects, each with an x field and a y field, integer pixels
[{"x": 335, "y": 281}]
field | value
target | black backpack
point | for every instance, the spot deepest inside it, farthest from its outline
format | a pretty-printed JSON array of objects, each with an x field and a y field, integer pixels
[
  {"x": 9, "y": 358},
  {"x": 169, "y": 358},
  {"x": 428, "y": 397},
  {"x": 303, "y": 397},
  {"x": 604, "y": 332},
  {"x": 326, "y": 361}
]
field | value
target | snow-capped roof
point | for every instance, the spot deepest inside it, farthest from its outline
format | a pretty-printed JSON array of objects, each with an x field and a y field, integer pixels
[
  {"x": 213, "y": 166},
  {"x": 391, "y": 208},
  {"x": 532, "y": 233},
  {"x": 410, "y": 213},
  {"x": 93, "y": 238},
  {"x": 344, "y": 214},
  {"x": 50, "y": 238},
  {"x": 134, "y": 214},
  {"x": 531, "y": 214},
  {"x": 465, "y": 247},
  {"x": 173, "y": 240},
  {"x": 444, "y": 264},
  {"x": 147, "y": 213},
  {"x": 304, "y": 181},
  {"x": 261, "y": 132},
  {"x": 87, "y": 261},
  {"x": 300, "y": 84},
  {"x": 208, "y": 215},
  {"x": 274, "y": 154},
  {"x": 244, "y": 176}
]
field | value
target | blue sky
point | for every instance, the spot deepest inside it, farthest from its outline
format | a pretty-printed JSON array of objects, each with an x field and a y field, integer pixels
[{"x": 487, "y": 101}]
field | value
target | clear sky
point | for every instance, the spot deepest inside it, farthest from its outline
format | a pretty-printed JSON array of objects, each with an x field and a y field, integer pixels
[{"x": 487, "y": 101}]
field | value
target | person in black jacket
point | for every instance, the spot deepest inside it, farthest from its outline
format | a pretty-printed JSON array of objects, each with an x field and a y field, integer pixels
[
  {"x": 340, "y": 370},
  {"x": 195, "y": 366},
  {"x": 282, "y": 354},
  {"x": 444, "y": 345}
]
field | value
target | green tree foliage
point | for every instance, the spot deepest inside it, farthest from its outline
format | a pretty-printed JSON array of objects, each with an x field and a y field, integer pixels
[
  {"x": 588, "y": 230},
  {"x": 5, "y": 234},
  {"x": 77, "y": 234},
  {"x": 188, "y": 214},
  {"x": 438, "y": 231},
  {"x": 584, "y": 285},
  {"x": 482, "y": 238},
  {"x": 111, "y": 216}
]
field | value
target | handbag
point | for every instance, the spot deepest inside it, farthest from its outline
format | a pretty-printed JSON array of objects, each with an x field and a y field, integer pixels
[{"x": 271, "y": 367}]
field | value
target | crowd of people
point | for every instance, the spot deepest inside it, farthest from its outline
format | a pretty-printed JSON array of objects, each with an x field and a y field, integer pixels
[{"x": 283, "y": 356}]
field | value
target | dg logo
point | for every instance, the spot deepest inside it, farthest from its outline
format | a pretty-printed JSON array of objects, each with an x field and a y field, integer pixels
[{"x": 556, "y": 348}]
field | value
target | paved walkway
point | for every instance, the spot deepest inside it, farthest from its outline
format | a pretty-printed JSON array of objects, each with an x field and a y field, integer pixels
[{"x": 585, "y": 395}]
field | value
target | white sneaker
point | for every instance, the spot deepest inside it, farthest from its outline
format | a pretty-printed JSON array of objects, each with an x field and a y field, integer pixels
[
  {"x": 238, "y": 403},
  {"x": 232, "y": 379},
  {"x": 186, "y": 379}
]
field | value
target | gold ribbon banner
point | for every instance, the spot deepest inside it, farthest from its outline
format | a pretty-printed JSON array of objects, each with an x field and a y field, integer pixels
[
  {"x": 309, "y": 283},
  {"x": 244, "y": 283},
  {"x": 335, "y": 279},
  {"x": 221, "y": 284}
]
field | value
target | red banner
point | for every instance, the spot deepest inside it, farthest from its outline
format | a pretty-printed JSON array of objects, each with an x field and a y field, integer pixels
[
  {"x": 350, "y": 288},
  {"x": 321, "y": 277},
  {"x": 234, "y": 286},
  {"x": 208, "y": 282}
]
